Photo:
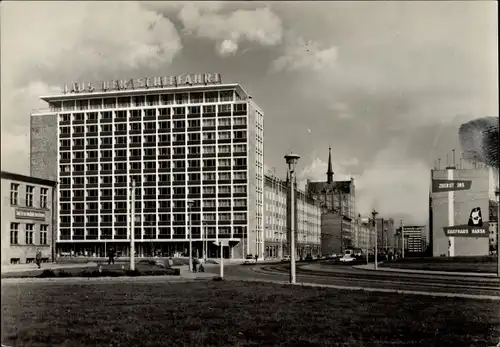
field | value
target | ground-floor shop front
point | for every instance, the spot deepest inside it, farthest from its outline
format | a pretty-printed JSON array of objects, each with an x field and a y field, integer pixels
[
  {"x": 231, "y": 249},
  {"x": 277, "y": 250}
]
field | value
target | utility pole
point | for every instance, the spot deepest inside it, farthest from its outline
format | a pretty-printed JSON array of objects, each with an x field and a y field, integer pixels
[
  {"x": 291, "y": 160},
  {"x": 402, "y": 240},
  {"x": 132, "y": 227},
  {"x": 190, "y": 204},
  {"x": 374, "y": 216}
]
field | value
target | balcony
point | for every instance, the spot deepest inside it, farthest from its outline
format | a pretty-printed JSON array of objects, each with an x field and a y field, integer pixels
[{"x": 194, "y": 115}]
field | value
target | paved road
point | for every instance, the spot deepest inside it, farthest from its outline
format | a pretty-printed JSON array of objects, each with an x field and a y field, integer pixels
[{"x": 345, "y": 275}]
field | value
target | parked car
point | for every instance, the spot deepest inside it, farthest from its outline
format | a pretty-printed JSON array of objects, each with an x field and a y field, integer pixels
[
  {"x": 285, "y": 258},
  {"x": 249, "y": 259},
  {"x": 347, "y": 258},
  {"x": 308, "y": 257}
]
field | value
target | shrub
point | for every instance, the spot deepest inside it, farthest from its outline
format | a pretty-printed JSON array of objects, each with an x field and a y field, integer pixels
[
  {"x": 64, "y": 274},
  {"x": 132, "y": 273},
  {"x": 47, "y": 273}
]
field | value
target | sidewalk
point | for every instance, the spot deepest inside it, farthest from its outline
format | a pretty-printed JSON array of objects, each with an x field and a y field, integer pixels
[
  {"x": 424, "y": 272},
  {"x": 34, "y": 267}
]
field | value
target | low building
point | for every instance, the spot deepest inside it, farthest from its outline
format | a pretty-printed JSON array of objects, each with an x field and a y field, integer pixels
[
  {"x": 277, "y": 209},
  {"x": 27, "y": 218},
  {"x": 335, "y": 233}
]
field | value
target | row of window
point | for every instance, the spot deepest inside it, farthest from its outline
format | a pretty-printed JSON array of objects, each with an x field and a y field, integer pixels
[
  {"x": 147, "y": 100},
  {"x": 153, "y": 165},
  {"x": 152, "y": 204},
  {"x": 151, "y": 152},
  {"x": 153, "y": 232},
  {"x": 121, "y": 116},
  {"x": 29, "y": 233},
  {"x": 151, "y": 191},
  {"x": 29, "y": 197},
  {"x": 120, "y": 179},
  {"x": 162, "y": 126},
  {"x": 151, "y": 218}
]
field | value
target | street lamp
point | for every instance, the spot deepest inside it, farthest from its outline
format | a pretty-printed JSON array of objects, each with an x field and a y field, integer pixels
[
  {"x": 205, "y": 241},
  {"x": 374, "y": 215},
  {"x": 190, "y": 205},
  {"x": 497, "y": 194},
  {"x": 291, "y": 160},
  {"x": 132, "y": 226}
]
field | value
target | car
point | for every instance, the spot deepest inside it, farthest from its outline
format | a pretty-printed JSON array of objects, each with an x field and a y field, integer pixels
[
  {"x": 249, "y": 259},
  {"x": 285, "y": 258},
  {"x": 347, "y": 258}
]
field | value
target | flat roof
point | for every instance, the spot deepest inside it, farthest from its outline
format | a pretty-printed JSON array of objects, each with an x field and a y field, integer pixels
[
  {"x": 146, "y": 91},
  {"x": 27, "y": 179}
]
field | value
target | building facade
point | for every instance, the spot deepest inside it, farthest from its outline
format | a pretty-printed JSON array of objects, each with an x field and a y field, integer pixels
[
  {"x": 336, "y": 233},
  {"x": 385, "y": 235},
  {"x": 459, "y": 205},
  {"x": 415, "y": 240},
  {"x": 364, "y": 235},
  {"x": 27, "y": 218},
  {"x": 277, "y": 220},
  {"x": 185, "y": 140}
]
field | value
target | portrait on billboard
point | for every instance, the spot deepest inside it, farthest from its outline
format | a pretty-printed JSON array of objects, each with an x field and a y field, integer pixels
[{"x": 475, "y": 217}]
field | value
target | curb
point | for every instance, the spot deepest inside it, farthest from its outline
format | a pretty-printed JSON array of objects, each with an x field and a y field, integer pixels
[{"x": 425, "y": 272}]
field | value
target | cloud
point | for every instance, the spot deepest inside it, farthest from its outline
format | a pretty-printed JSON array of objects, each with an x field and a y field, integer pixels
[
  {"x": 300, "y": 54},
  {"x": 231, "y": 29},
  {"x": 71, "y": 41}
]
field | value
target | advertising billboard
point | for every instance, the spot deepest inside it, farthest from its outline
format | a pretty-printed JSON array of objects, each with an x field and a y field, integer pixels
[{"x": 460, "y": 205}]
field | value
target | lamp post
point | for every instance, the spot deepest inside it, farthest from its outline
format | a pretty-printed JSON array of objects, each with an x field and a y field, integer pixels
[
  {"x": 374, "y": 216},
  {"x": 132, "y": 226},
  {"x": 497, "y": 194},
  {"x": 291, "y": 160},
  {"x": 190, "y": 205},
  {"x": 205, "y": 242}
]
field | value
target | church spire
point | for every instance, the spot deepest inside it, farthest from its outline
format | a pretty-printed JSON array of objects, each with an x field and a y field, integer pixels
[{"x": 329, "y": 174}]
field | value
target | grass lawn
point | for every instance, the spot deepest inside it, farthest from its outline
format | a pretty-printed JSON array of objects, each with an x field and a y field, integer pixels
[
  {"x": 455, "y": 264},
  {"x": 237, "y": 314},
  {"x": 142, "y": 267}
]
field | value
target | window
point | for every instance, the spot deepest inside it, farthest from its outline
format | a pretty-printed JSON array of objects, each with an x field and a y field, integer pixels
[
  {"x": 209, "y": 163},
  {"x": 29, "y": 233},
  {"x": 209, "y": 203},
  {"x": 208, "y": 149},
  {"x": 224, "y": 149},
  {"x": 106, "y": 127},
  {"x": 224, "y": 135},
  {"x": 208, "y": 136},
  {"x": 240, "y": 175},
  {"x": 239, "y": 148},
  {"x": 224, "y": 121},
  {"x": 14, "y": 233},
  {"x": 225, "y": 162},
  {"x": 14, "y": 193},
  {"x": 209, "y": 190},
  {"x": 225, "y": 108},
  {"x": 209, "y": 176},
  {"x": 225, "y": 203},
  {"x": 226, "y": 95},
  {"x": 44, "y": 192},
  {"x": 43, "y": 234},
  {"x": 224, "y": 175},
  {"x": 240, "y": 121},
  {"x": 209, "y": 122},
  {"x": 29, "y": 195},
  {"x": 209, "y": 109}
]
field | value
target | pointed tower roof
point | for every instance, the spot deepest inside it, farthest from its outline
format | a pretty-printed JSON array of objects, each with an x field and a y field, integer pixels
[{"x": 329, "y": 174}]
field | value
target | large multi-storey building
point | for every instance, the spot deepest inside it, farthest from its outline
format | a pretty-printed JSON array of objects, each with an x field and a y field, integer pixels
[
  {"x": 414, "y": 239},
  {"x": 186, "y": 140},
  {"x": 336, "y": 196},
  {"x": 385, "y": 235},
  {"x": 27, "y": 218},
  {"x": 277, "y": 220}
]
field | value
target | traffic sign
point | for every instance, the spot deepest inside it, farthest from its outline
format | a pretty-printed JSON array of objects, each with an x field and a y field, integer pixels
[
  {"x": 465, "y": 231},
  {"x": 439, "y": 186}
]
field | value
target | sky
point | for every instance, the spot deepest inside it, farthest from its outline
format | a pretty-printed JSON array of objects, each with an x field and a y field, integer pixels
[{"x": 384, "y": 84}]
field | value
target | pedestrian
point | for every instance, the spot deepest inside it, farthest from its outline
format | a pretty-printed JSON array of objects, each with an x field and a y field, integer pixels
[
  {"x": 38, "y": 258},
  {"x": 194, "y": 264},
  {"x": 256, "y": 258},
  {"x": 111, "y": 256}
]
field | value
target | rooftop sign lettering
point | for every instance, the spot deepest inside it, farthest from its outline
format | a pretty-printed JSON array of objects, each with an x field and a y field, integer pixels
[
  {"x": 143, "y": 83},
  {"x": 439, "y": 186}
]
